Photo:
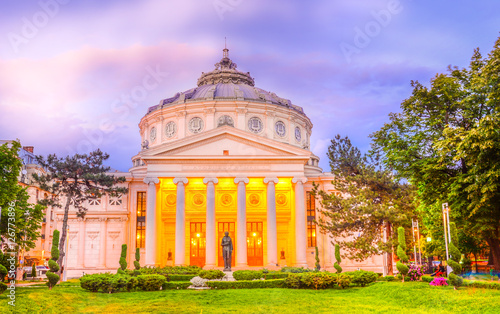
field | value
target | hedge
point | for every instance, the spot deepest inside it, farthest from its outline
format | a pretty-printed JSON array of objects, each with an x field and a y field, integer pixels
[
  {"x": 211, "y": 274},
  {"x": 247, "y": 284},
  {"x": 296, "y": 270},
  {"x": 427, "y": 278},
  {"x": 317, "y": 280},
  {"x": 150, "y": 282},
  {"x": 482, "y": 284},
  {"x": 275, "y": 275},
  {"x": 3, "y": 287},
  {"x": 248, "y": 274},
  {"x": 362, "y": 277},
  {"x": 172, "y": 285},
  {"x": 180, "y": 270},
  {"x": 177, "y": 277}
]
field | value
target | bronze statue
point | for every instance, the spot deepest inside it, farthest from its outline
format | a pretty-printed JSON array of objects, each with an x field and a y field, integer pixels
[{"x": 227, "y": 251}]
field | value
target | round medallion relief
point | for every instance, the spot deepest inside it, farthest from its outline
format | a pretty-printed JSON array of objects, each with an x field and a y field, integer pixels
[
  {"x": 196, "y": 125},
  {"x": 280, "y": 128},
  {"x": 254, "y": 199},
  {"x": 255, "y": 125},
  {"x": 170, "y": 129},
  {"x": 281, "y": 199},
  {"x": 226, "y": 199},
  {"x": 198, "y": 199},
  {"x": 171, "y": 199}
]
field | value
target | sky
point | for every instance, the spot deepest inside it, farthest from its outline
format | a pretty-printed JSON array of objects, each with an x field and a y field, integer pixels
[{"x": 79, "y": 75}]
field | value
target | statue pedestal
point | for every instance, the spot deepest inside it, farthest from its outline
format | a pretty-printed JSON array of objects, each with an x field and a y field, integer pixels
[{"x": 282, "y": 262}]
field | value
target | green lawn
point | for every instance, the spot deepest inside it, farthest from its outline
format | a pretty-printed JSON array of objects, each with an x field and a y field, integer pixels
[{"x": 411, "y": 297}]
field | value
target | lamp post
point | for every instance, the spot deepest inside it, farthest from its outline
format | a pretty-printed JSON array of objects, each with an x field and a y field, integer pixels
[
  {"x": 419, "y": 252},
  {"x": 447, "y": 236},
  {"x": 414, "y": 243}
]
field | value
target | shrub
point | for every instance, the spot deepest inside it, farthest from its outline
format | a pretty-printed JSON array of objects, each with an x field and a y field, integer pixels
[
  {"x": 293, "y": 281},
  {"x": 403, "y": 258},
  {"x": 175, "y": 285},
  {"x": 415, "y": 271},
  {"x": 53, "y": 266},
  {"x": 439, "y": 281},
  {"x": 176, "y": 277},
  {"x": 181, "y": 270},
  {"x": 362, "y": 277},
  {"x": 318, "y": 280},
  {"x": 211, "y": 274},
  {"x": 247, "y": 274},
  {"x": 343, "y": 280},
  {"x": 150, "y": 282},
  {"x": 389, "y": 278},
  {"x": 337, "y": 258},
  {"x": 482, "y": 284},
  {"x": 33, "y": 271},
  {"x": 3, "y": 272},
  {"x": 275, "y": 275},
  {"x": 318, "y": 266},
  {"x": 427, "y": 278},
  {"x": 123, "y": 258},
  {"x": 96, "y": 282},
  {"x": 295, "y": 270},
  {"x": 137, "y": 265},
  {"x": 3, "y": 287},
  {"x": 132, "y": 283},
  {"x": 247, "y": 284}
]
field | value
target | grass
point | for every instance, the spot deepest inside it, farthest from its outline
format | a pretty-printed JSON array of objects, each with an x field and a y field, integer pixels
[{"x": 414, "y": 297}]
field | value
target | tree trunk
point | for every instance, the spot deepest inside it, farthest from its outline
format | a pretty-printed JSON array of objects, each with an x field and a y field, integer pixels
[
  {"x": 494, "y": 245},
  {"x": 62, "y": 241},
  {"x": 390, "y": 271}
]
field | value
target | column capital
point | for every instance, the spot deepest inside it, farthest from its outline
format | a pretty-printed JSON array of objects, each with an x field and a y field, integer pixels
[
  {"x": 149, "y": 180},
  {"x": 274, "y": 180},
  {"x": 299, "y": 179},
  {"x": 183, "y": 180},
  {"x": 238, "y": 180},
  {"x": 213, "y": 180}
]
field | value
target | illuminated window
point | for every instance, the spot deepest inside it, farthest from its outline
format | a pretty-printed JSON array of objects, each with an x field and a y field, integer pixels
[
  {"x": 141, "y": 220},
  {"x": 311, "y": 215}
]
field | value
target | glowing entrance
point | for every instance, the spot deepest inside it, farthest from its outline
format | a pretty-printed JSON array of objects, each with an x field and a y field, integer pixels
[
  {"x": 198, "y": 244},
  {"x": 254, "y": 244}
]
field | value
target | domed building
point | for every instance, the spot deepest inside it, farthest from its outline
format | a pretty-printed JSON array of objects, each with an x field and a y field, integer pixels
[{"x": 222, "y": 156}]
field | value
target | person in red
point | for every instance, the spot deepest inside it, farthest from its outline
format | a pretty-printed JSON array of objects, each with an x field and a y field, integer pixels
[{"x": 439, "y": 271}]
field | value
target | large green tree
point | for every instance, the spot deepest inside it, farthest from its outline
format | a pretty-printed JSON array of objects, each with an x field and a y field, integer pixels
[
  {"x": 75, "y": 180},
  {"x": 446, "y": 141},
  {"x": 370, "y": 200},
  {"x": 20, "y": 221}
]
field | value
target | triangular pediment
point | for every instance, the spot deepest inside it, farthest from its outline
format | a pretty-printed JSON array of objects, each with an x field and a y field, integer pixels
[{"x": 235, "y": 142}]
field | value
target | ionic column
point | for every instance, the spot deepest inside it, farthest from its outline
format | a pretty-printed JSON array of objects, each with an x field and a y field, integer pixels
[
  {"x": 241, "y": 224},
  {"x": 180, "y": 222},
  {"x": 272, "y": 235},
  {"x": 210, "y": 247},
  {"x": 151, "y": 221},
  {"x": 103, "y": 248},
  {"x": 300, "y": 223}
]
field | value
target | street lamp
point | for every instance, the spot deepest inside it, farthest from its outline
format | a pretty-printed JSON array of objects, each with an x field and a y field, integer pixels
[{"x": 447, "y": 235}]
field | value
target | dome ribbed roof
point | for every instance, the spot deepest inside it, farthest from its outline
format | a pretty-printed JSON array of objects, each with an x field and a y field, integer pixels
[{"x": 225, "y": 82}]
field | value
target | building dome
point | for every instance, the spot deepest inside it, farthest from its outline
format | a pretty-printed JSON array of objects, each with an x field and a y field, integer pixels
[
  {"x": 225, "y": 97},
  {"x": 225, "y": 82}
]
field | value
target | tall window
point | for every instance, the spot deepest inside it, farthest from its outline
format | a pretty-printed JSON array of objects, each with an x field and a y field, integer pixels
[
  {"x": 311, "y": 215},
  {"x": 141, "y": 220}
]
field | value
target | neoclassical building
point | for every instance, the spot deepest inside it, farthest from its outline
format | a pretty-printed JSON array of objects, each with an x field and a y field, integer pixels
[{"x": 222, "y": 156}]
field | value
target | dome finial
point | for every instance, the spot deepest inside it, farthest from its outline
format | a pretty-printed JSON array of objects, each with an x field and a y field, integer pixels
[{"x": 225, "y": 52}]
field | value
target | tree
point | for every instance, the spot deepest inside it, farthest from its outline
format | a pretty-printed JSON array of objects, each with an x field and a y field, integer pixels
[
  {"x": 33, "y": 271},
  {"x": 318, "y": 266},
  {"x": 446, "y": 142},
  {"x": 14, "y": 205},
  {"x": 137, "y": 265},
  {"x": 75, "y": 180},
  {"x": 401, "y": 252},
  {"x": 53, "y": 265},
  {"x": 370, "y": 200}
]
